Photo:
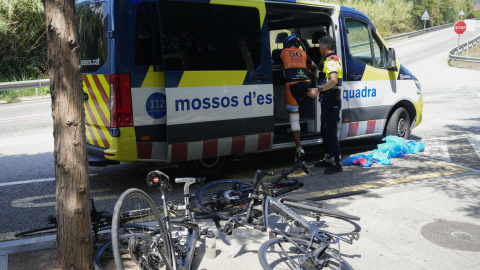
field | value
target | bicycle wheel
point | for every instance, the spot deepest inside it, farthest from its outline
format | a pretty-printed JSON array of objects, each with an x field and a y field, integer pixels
[
  {"x": 280, "y": 253},
  {"x": 38, "y": 232},
  {"x": 226, "y": 197},
  {"x": 326, "y": 219},
  {"x": 136, "y": 226}
]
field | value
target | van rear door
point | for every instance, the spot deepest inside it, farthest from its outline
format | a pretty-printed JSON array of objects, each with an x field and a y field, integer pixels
[{"x": 218, "y": 81}]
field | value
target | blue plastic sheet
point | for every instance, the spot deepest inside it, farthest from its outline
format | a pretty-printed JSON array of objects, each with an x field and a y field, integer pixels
[
  {"x": 361, "y": 160},
  {"x": 393, "y": 147}
]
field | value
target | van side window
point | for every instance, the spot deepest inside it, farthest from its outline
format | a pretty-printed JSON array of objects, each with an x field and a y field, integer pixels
[
  {"x": 358, "y": 35},
  {"x": 147, "y": 36},
  {"x": 200, "y": 36},
  {"x": 92, "y": 27}
]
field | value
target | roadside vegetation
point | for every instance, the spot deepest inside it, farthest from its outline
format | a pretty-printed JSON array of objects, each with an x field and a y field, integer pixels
[{"x": 23, "y": 50}]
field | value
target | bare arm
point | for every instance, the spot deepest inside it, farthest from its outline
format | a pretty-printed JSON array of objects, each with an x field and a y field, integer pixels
[{"x": 331, "y": 83}]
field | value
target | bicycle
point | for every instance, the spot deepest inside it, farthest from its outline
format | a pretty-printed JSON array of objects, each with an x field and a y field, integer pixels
[
  {"x": 101, "y": 220},
  {"x": 310, "y": 247},
  {"x": 148, "y": 242},
  {"x": 230, "y": 198}
]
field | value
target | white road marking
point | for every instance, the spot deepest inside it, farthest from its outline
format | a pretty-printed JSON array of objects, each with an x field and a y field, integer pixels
[
  {"x": 31, "y": 181},
  {"x": 475, "y": 142}
]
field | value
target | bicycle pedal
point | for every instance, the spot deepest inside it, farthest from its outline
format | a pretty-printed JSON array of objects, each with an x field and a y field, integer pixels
[
  {"x": 203, "y": 232},
  {"x": 354, "y": 236}
]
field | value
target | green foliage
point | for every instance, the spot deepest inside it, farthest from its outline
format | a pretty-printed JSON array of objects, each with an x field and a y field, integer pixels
[{"x": 23, "y": 51}]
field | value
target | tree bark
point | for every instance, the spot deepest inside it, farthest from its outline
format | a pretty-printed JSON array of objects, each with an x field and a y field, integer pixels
[{"x": 74, "y": 237}]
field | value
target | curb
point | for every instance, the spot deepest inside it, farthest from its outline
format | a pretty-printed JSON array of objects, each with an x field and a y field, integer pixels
[{"x": 24, "y": 245}]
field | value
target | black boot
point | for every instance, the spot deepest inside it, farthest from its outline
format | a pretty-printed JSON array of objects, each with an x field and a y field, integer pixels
[{"x": 335, "y": 167}]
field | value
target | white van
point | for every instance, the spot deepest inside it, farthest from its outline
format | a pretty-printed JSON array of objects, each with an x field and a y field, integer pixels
[{"x": 197, "y": 82}]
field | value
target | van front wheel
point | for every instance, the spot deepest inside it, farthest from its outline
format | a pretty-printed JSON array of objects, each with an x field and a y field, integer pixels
[
  {"x": 211, "y": 168},
  {"x": 399, "y": 124}
]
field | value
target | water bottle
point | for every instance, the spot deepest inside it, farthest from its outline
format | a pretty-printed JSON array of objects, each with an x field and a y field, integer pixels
[{"x": 210, "y": 245}]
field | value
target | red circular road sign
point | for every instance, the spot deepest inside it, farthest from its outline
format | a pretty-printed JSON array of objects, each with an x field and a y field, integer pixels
[{"x": 460, "y": 27}]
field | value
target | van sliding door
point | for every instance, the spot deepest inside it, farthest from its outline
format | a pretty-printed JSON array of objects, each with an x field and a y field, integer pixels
[{"x": 217, "y": 78}]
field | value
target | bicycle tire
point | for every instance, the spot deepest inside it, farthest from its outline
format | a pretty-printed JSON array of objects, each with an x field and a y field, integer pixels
[
  {"x": 326, "y": 219},
  {"x": 99, "y": 252},
  {"x": 210, "y": 198},
  {"x": 273, "y": 255},
  {"x": 137, "y": 232},
  {"x": 38, "y": 231}
]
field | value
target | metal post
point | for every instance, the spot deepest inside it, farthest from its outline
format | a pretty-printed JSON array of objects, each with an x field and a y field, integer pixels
[
  {"x": 468, "y": 41},
  {"x": 424, "y": 24},
  {"x": 36, "y": 91},
  {"x": 458, "y": 51}
]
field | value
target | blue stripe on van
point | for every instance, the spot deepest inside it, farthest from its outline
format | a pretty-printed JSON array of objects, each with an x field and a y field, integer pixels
[{"x": 172, "y": 78}]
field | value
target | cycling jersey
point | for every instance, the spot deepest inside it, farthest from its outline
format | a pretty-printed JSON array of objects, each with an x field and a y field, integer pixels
[{"x": 295, "y": 63}]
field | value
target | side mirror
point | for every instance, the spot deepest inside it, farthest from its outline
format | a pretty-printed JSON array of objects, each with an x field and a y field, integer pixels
[{"x": 392, "y": 60}]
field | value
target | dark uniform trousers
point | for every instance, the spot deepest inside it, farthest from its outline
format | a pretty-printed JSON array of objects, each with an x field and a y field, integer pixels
[{"x": 330, "y": 114}]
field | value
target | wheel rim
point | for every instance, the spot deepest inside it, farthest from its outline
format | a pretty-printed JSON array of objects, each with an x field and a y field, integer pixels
[
  {"x": 401, "y": 127},
  {"x": 208, "y": 163}
]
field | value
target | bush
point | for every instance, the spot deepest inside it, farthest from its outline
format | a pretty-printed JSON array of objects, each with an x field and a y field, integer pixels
[{"x": 23, "y": 50}]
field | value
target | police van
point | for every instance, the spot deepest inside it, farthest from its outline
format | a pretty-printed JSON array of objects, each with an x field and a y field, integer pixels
[{"x": 197, "y": 82}]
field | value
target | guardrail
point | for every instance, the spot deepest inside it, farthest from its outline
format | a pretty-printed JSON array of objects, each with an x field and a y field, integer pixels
[
  {"x": 25, "y": 85},
  {"x": 454, "y": 53}
]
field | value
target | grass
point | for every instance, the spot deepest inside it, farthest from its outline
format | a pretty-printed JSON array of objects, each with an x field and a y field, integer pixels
[
  {"x": 472, "y": 52},
  {"x": 15, "y": 95}
]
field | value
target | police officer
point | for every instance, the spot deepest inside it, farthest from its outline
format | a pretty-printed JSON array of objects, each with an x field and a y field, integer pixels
[
  {"x": 296, "y": 65},
  {"x": 330, "y": 105}
]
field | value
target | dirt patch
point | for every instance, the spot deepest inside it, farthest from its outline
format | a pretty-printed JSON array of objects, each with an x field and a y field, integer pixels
[{"x": 44, "y": 259}]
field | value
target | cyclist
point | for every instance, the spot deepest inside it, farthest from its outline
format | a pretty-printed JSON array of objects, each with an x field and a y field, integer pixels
[{"x": 296, "y": 64}]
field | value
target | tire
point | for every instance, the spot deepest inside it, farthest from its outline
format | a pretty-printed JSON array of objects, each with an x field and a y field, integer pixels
[
  {"x": 136, "y": 224},
  {"x": 398, "y": 124},
  {"x": 38, "y": 232},
  {"x": 326, "y": 219},
  {"x": 101, "y": 252},
  {"x": 211, "y": 197},
  {"x": 211, "y": 168},
  {"x": 280, "y": 253}
]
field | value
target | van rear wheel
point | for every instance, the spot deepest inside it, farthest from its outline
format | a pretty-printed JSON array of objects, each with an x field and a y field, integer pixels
[
  {"x": 399, "y": 124},
  {"x": 211, "y": 168}
]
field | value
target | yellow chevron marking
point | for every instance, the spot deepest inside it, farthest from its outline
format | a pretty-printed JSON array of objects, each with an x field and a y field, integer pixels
[
  {"x": 95, "y": 131},
  {"x": 212, "y": 78},
  {"x": 154, "y": 79},
  {"x": 96, "y": 114},
  {"x": 260, "y": 5},
  {"x": 105, "y": 106}
]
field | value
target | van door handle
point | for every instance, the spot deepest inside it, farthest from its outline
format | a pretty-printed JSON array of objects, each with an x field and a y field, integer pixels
[
  {"x": 356, "y": 76},
  {"x": 258, "y": 77}
]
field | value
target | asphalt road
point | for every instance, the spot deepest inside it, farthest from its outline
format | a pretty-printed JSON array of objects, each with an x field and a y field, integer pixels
[{"x": 450, "y": 129}]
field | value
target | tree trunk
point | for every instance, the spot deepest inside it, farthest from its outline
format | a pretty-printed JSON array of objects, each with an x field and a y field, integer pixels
[{"x": 74, "y": 237}]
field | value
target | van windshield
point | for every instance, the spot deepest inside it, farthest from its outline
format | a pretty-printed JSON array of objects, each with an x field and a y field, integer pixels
[{"x": 92, "y": 27}]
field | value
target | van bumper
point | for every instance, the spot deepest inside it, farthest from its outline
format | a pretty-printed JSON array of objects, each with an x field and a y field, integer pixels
[{"x": 96, "y": 157}]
